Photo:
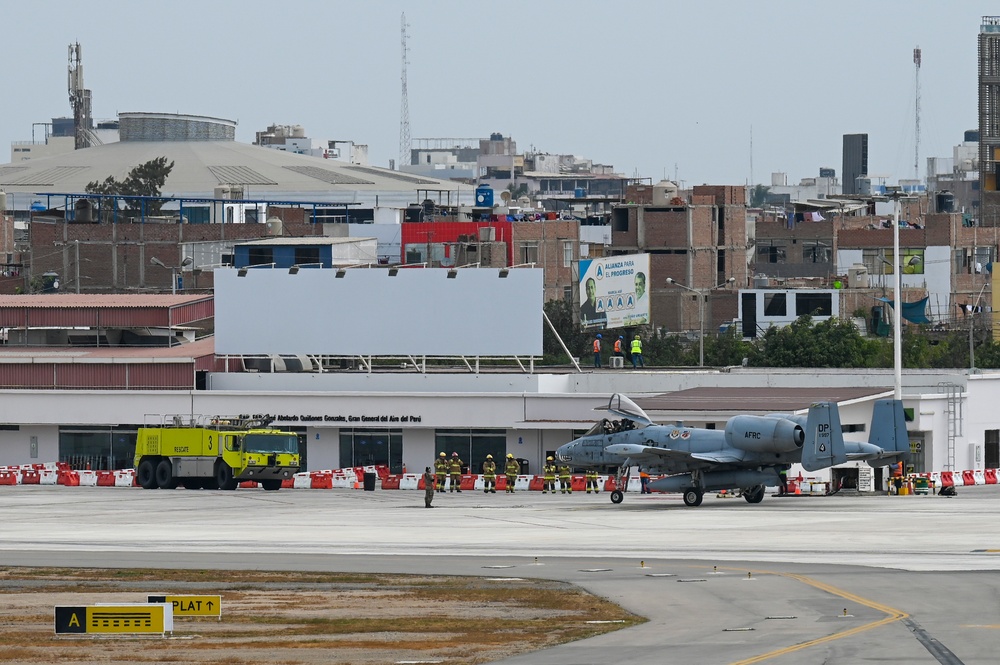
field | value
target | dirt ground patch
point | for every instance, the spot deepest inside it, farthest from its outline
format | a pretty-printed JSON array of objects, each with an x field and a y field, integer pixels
[{"x": 303, "y": 618}]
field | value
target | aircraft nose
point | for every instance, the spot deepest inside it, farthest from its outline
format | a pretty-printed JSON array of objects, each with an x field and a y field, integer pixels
[{"x": 565, "y": 452}]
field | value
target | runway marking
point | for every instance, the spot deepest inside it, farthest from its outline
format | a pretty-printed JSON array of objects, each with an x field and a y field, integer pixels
[{"x": 893, "y": 616}]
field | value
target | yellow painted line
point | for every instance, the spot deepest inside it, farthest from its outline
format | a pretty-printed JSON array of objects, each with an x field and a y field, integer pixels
[
  {"x": 968, "y": 625},
  {"x": 893, "y": 615}
]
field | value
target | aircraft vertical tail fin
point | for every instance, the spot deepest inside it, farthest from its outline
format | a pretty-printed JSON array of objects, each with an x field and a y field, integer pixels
[
  {"x": 824, "y": 444},
  {"x": 889, "y": 429}
]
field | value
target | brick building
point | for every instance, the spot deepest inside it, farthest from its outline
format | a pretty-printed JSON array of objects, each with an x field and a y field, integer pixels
[{"x": 700, "y": 242}]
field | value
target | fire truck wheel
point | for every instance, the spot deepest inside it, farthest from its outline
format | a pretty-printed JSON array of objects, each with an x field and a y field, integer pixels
[
  {"x": 146, "y": 475},
  {"x": 224, "y": 476},
  {"x": 271, "y": 484},
  {"x": 165, "y": 475}
]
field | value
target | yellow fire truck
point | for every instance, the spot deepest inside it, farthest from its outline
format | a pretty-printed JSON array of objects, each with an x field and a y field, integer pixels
[{"x": 214, "y": 453}]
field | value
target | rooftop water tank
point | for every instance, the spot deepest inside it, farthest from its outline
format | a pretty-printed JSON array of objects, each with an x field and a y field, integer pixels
[
  {"x": 275, "y": 226},
  {"x": 484, "y": 196},
  {"x": 663, "y": 192},
  {"x": 857, "y": 276}
]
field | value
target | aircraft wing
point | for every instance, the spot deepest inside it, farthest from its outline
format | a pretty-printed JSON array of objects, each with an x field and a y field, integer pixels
[
  {"x": 635, "y": 450},
  {"x": 720, "y": 457}
]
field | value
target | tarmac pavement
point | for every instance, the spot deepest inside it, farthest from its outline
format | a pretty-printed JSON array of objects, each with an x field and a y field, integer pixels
[{"x": 839, "y": 579}]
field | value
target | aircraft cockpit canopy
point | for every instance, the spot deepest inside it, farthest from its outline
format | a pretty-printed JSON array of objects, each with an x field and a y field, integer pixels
[{"x": 623, "y": 407}]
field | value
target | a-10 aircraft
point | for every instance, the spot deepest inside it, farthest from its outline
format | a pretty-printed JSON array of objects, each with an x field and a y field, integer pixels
[{"x": 746, "y": 455}]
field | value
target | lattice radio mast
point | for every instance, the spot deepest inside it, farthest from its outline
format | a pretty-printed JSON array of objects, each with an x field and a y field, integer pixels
[
  {"x": 404, "y": 110},
  {"x": 916, "y": 143}
]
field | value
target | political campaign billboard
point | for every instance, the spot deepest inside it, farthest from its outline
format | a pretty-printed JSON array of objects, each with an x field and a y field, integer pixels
[{"x": 614, "y": 291}]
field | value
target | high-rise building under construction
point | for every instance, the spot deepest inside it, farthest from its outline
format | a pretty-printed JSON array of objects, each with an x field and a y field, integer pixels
[{"x": 989, "y": 121}]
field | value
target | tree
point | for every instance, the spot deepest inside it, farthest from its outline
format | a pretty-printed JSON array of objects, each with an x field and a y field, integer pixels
[
  {"x": 830, "y": 343},
  {"x": 758, "y": 195},
  {"x": 517, "y": 191},
  {"x": 144, "y": 180},
  {"x": 565, "y": 318}
]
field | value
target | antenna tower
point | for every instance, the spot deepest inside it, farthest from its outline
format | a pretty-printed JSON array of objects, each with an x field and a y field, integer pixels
[
  {"x": 404, "y": 110},
  {"x": 79, "y": 98},
  {"x": 916, "y": 143}
]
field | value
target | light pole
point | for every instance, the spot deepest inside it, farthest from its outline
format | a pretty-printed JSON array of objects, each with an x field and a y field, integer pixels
[
  {"x": 702, "y": 294},
  {"x": 173, "y": 270},
  {"x": 896, "y": 193}
]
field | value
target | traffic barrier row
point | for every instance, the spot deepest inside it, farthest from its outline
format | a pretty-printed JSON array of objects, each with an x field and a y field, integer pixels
[{"x": 59, "y": 473}]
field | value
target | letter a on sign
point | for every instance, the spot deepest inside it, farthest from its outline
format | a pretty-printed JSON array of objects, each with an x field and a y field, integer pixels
[{"x": 70, "y": 620}]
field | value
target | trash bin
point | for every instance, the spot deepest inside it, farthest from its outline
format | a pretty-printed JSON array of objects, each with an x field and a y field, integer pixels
[
  {"x": 921, "y": 486},
  {"x": 370, "y": 482}
]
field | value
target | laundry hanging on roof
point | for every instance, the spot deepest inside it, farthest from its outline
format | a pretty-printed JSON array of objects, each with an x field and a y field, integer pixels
[{"x": 914, "y": 312}]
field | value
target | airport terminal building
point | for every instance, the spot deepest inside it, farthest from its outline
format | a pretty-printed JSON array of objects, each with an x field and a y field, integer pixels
[{"x": 80, "y": 374}]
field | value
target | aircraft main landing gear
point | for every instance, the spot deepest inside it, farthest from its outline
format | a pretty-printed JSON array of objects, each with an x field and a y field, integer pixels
[
  {"x": 754, "y": 494},
  {"x": 617, "y": 496},
  {"x": 693, "y": 497}
]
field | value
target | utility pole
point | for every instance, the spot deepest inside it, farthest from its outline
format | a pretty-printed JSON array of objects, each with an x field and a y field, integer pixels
[{"x": 916, "y": 143}]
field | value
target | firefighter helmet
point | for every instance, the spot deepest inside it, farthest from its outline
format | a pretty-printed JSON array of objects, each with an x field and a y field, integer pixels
[
  {"x": 489, "y": 457},
  {"x": 549, "y": 458},
  {"x": 442, "y": 455}
]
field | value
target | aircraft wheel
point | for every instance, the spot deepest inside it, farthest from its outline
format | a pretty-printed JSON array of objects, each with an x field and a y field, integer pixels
[
  {"x": 693, "y": 497},
  {"x": 754, "y": 494},
  {"x": 146, "y": 475},
  {"x": 617, "y": 496},
  {"x": 224, "y": 476},
  {"x": 165, "y": 475}
]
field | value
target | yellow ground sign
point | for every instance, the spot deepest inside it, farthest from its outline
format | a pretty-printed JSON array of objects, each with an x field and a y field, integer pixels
[
  {"x": 192, "y": 606},
  {"x": 107, "y": 619}
]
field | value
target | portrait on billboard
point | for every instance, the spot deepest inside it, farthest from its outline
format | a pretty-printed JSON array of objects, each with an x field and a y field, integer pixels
[{"x": 592, "y": 313}]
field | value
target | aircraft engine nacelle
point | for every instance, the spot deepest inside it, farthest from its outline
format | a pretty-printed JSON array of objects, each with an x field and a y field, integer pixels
[{"x": 764, "y": 434}]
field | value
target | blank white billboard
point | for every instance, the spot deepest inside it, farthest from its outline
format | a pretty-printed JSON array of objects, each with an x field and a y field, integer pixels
[{"x": 419, "y": 311}]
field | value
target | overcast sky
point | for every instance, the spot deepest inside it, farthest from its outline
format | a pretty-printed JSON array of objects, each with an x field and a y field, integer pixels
[{"x": 653, "y": 87}]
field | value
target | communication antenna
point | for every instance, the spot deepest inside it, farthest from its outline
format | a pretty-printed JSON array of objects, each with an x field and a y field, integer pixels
[
  {"x": 79, "y": 98},
  {"x": 404, "y": 111},
  {"x": 916, "y": 143}
]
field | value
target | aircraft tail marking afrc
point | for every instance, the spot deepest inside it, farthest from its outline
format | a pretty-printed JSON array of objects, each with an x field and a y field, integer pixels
[
  {"x": 889, "y": 428},
  {"x": 824, "y": 445}
]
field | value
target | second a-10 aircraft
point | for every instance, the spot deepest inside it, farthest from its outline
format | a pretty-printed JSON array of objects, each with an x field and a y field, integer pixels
[{"x": 746, "y": 455}]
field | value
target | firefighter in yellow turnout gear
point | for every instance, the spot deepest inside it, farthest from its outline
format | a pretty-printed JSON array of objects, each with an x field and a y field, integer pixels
[
  {"x": 489, "y": 476},
  {"x": 591, "y": 478},
  {"x": 511, "y": 470},
  {"x": 455, "y": 469},
  {"x": 565, "y": 486},
  {"x": 441, "y": 471},
  {"x": 549, "y": 476}
]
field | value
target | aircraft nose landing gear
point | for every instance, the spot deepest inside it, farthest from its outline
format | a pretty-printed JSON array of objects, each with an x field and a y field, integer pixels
[{"x": 621, "y": 483}]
